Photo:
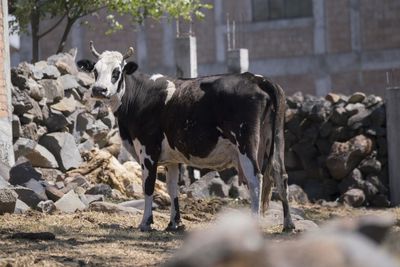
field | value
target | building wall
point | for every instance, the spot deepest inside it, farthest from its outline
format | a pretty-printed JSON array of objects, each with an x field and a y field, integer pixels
[
  {"x": 6, "y": 148},
  {"x": 345, "y": 46}
]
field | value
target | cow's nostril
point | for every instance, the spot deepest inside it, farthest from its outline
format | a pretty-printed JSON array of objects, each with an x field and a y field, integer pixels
[{"x": 99, "y": 91}]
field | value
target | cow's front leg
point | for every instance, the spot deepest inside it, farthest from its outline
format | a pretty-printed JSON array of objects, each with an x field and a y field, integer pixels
[
  {"x": 149, "y": 174},
  {"x": 175, "y": 223}
]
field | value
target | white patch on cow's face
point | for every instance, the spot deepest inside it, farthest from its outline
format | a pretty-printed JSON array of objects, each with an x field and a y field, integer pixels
[
  {"x": 154, "y": 77},
  {"x": 170, "y": 91},
  {"x": 108, "y": 74},
  {"x": 258, "y": 75}
]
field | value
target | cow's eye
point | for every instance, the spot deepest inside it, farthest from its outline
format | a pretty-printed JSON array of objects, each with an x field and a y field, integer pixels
[
  {"x": 95, "y": 74},
  {"x": 115, "y": 75}
]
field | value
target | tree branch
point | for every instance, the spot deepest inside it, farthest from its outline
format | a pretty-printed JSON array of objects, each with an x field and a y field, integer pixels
[
  {"x": 52, "y": 27},
  {"x": 91, "y": 11}
]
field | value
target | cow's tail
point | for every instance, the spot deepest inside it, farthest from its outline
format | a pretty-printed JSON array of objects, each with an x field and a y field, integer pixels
[{"x": 272, "y": 158}]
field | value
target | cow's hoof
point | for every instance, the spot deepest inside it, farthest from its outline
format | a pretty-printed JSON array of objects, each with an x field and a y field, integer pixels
[
  {"x": 175, "y": 227},
  {"x": 145, "y": 228},
  {"x": 288, "y": 227}
]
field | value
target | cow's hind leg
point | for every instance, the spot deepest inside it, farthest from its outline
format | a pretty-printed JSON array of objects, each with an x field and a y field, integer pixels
[
  {"x": 249, "y": 169},
  {"x": 282, "y": 186},
  {"x": 175, "y": 223}
]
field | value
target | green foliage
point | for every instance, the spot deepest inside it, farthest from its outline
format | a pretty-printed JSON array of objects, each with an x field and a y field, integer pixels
[
  {"x": 75, "y": 9},
  {"x": 141, "y": 9}
]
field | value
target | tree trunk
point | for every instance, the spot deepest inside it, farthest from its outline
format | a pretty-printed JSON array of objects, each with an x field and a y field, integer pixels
[
  {"x": 64, "y": 37},
  {"x": 35, "y": 35}
]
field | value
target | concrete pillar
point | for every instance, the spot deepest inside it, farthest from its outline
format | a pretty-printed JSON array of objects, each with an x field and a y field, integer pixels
[
  {"x": 237, "y": 60},
  {"x": 6, "y": 145},
  {"x": 186, "y": 57},
  {"x": 393, "y": 142}
]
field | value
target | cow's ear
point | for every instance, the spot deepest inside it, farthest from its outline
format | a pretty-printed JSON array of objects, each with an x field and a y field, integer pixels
[
  {"x": 86, "y": 65},
  {"x": 130, "y": 67}
]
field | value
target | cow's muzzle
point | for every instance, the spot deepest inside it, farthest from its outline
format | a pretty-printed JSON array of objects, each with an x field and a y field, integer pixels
[{"x": 99, "y": 92}]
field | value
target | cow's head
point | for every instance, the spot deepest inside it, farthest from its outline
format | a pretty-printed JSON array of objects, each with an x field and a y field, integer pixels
[{"x": 108, "y": 72}]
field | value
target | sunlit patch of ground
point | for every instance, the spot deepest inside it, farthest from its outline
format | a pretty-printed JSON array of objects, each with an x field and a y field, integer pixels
[{"x": 99, "y": 239}]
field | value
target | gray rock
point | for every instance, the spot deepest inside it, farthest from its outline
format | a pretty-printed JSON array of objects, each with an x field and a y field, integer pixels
[
  {"x": 66, "y": 105},
  {"x": 70, "y": 203},
  {"x": 41, "y": 157},
  {"x": 357, "y": 97},
  {"x": 65, "y": 62},
  {"x": 99, "y": 132},
  {"x": 21, "y": 207},
  {"x": 112, "y": 208},
  {"x": 333, "y": 98},
  {"x": 353, "y": 180},
  {"x": 28, "y": 196},
  {"x": 19, "y": 79},
  {"x": 370, "y": 190},
  {"x": 370, "y": 166},
  {"x": 64, "y": 149},
  {"x": 201, "y": 188},
  {"x": 84, "y": 121},
  {"x": 21, "y": 101},
  {"x": 53, "y": 90},
  {"x": 68, "y": 82},
  {"x": 30, "y": 131},
  {"x": 79, "y": 180},
  {"x": 100, "y": 189},
  {"x": 52, "y": 175},
  {"x": 354, "y": 197},
  {"x": 22, "y": 172},
  {"x": 35, "y": 90},
  {"x": 117, "y": 195},
  {"x": 109, "y": 120},
  {"x": 16, "y": 127},
  {"x": 47, "y": 206},
  {"x": 85, "y": 79},
  {"x": 8, "y": 199},
  {"x": 376, "y": 181},
  {"x": 344, "y": 157},
  {"x": 50, "y": 72},
  {"x": 56, "y": 121},
  {"x": 86, "y": 146},
  {"x": 23, "y": 146},
  {"x": 94, "y": 198},
  {"x": 26, "y": 118},
  {"x": 53, "y": 193},
  {"x": 137, "y": 204},
  {"x": 37, "y": 187},
  {"x": 297, "y": 194},
  {"x": 36, "y": 112}
]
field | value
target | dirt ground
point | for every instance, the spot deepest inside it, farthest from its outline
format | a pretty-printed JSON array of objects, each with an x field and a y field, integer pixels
[{"x": 99, "y": 239}]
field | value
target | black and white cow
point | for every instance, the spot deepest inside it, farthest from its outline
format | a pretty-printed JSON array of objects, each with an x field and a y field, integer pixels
[{"x": 214, "y": 122}]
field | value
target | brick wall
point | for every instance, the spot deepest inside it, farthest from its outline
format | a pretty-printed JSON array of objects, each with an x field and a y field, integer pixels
[
  {"x": 360, "y": 42},
  {"x": 3, "y": 92}
]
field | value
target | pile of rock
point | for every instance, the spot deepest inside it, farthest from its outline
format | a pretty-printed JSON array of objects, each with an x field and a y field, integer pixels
[
  {"x": 336, "y": 147},
  {"x": 65, "y": 144}
]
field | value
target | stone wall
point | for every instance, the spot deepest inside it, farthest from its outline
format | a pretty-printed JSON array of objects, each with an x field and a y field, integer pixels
[{"x": 336, "y": 147}]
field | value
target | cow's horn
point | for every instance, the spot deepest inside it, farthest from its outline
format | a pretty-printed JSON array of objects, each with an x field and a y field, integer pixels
[
  {"x": 94, "y": 52},
  {"x": 129, "y": 52}
]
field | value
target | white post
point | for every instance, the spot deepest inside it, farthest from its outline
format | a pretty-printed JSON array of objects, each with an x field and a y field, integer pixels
[
  {"x": 186, "y": 57},
  {"x": 238, "y": 60}
]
